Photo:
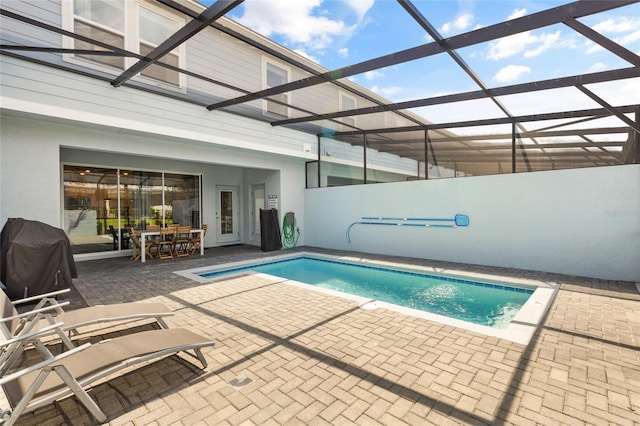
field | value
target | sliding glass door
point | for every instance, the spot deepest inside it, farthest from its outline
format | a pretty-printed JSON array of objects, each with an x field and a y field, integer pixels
[
  {"x": 182, "y": 199},
  {"x": 140, "y": 199},
  {"x": 100, "y": 204},
  {"x": 90, "y": 207}
]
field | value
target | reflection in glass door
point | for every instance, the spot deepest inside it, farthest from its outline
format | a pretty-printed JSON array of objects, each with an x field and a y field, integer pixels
[
  {"x": 227, "y": 215},
  {"x": 91, "y": 208},
  {"x": 258, "y": 202}
]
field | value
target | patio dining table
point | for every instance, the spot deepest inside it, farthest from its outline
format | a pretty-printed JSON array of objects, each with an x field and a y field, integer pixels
[{"x": 145, "y": 234}]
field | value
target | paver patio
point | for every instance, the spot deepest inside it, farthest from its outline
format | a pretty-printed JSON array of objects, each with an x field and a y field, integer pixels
[{"x": 304, "y": 357}]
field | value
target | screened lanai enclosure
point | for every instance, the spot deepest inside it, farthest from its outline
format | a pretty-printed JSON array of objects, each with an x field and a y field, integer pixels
[{"x": 490, "y": 130}]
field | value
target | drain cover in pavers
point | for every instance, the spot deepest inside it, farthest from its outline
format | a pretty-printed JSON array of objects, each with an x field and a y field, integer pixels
[{"x": 240, "y": 381}]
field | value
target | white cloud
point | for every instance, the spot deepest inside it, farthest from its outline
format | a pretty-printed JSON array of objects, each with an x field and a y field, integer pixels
[
  {"x": 511, "y": 73},
  {"x": 527, "y": 43},
  {"x": 372, "y": 75},
  {"x": 361, "y": 7},
  {"x": 344, "y": 52},
  {"x": 550, "y": 41},
  {"x": 509, "y": 46},
  {"x": 623, "y": 41},
  {"x": 461, "y": 23},
  {"x": 517, "y": 14},
  {"x": 629, "y": 38},
  {"x": 306, "y": 55},
  {"x": 593, "y": 47},
  {"x": 294, "y": 20},
  {"x": 386, "y": 92},
  {"x": 618, "y": 25},
  {"x": 598, "y": 66}
]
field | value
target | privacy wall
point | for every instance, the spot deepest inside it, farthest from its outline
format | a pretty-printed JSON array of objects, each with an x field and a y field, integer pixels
[{"x": 583, "y": 222}]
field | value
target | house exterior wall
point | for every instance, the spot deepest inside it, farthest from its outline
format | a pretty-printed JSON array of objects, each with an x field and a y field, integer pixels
[
  {"x": 29, "y": 172},
  {"x": 48, "y": 92},
  {"x": 33, "y": 150},
  {"x": 209, "y": 53},
  {"x": 583, "y": 222}
]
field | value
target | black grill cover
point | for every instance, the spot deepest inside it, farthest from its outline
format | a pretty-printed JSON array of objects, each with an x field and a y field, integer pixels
[
  {"x": 270, "y": 237},
  {"x": 35, "y": 256}
]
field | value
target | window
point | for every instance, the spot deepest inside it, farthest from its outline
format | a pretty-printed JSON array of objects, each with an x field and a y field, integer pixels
[
  {"x": 347, "y": 103},
  {"x": 129, "y": 25},
  {"x": 101, "y": 20},
  {"x": 276, "y": 76},
  {"x": 153, "y": 30}
]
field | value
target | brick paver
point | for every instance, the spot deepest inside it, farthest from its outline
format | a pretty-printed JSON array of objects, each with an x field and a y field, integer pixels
[{"x": 317, "y": 359}]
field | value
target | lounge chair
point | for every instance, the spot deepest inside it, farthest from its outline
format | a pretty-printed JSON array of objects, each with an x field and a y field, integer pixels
[
  {"x": 77, "y": 369},
  {"x": 49, "y": 311}
]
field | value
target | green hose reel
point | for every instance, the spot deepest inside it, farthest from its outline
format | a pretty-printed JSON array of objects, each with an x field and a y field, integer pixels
[{"x": 290, "y": 232}]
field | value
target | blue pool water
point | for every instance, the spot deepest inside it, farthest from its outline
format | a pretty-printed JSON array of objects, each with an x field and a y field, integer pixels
[{"x": 477, "y": 302}]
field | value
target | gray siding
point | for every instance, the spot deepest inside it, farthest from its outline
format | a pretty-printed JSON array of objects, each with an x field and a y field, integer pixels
[{"x": 209, "y": 53}]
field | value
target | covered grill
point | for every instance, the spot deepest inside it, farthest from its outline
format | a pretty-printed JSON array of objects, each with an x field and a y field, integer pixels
[{"x": 35, "y": 258}]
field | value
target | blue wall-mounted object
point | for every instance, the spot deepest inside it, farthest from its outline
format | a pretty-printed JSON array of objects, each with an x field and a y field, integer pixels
[{"x": 459, "y": 220}]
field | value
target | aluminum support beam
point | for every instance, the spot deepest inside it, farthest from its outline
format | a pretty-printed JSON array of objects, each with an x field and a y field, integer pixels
[
  {"x": 426, "y": 155},
  {"x": 556, "y": 83},
  {"x": 443, "y": 147},
  {"x": 503, "y": 120},
  {"x": 319, "y": 160},
  {"x": 636, "y": 141},
  {"x": 276, "y": 54},
  {"x": 496, "y": 137},
  {"x": 613, "y": 110},
  {"x": 364, "y": 157},
  {"x": 603, "y": 41},
  {"x": 117, "y": 51},
  {"x": 526, "y": 23},
  {"x": 577, "y": 156},
  {"x": 513, "y": 147},
  {"x": 430, "y": 29}
]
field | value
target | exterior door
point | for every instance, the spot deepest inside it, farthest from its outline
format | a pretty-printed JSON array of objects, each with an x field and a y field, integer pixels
[{"x": 227, "y": 215}]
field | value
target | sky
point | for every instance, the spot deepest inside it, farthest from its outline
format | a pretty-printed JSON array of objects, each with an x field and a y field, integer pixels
[{"x": 338, "y": 33}]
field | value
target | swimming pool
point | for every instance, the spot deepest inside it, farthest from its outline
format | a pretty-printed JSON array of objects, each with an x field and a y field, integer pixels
[{"x": 472, "y": 303}]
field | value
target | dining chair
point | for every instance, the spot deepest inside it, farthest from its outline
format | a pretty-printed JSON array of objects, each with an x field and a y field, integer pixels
[
  {"x": 166, "y": 243},
  {"x": 137, "y": 251},
  {"x": 182, "y": 241},
  {"x": 197, "y": 240},
  {"x": 153, "y": 239}
]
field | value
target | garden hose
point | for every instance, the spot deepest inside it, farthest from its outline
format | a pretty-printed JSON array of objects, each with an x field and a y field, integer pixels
[{"x": 289, "y": 237}]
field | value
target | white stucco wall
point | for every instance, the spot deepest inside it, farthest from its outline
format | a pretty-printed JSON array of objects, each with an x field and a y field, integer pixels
[
  {"x": 33, "y": 163},
  {"x": 582, "y": 222},
  {"x": 31, "y": 167}
]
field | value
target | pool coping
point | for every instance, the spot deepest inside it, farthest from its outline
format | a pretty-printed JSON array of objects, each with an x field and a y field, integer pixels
[{"x": 520, "y": 330}]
